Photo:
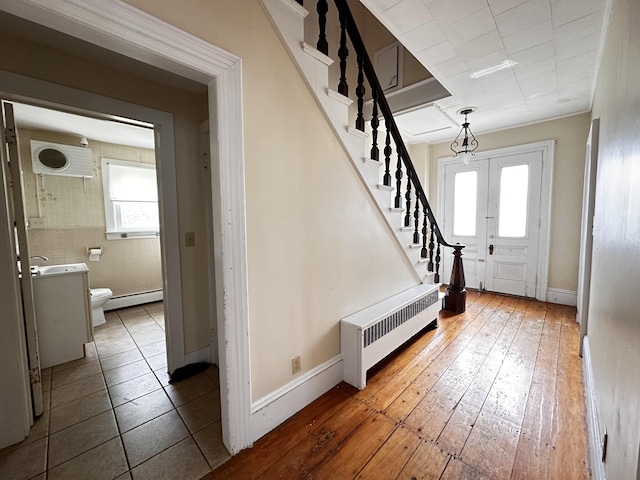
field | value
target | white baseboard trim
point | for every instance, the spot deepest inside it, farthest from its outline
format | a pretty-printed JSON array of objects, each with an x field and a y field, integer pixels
[
  {"x": 201, "y": 355},
  {"x": 273, "y": 409},
  {"x": 593, "y": 420},
  {"x": 133, "y": 299},
  {"x": 563, "y": 297}
]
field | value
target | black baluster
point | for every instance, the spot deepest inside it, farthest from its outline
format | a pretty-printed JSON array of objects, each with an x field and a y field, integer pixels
[
  {"x": 375, "y": 123},
  {"x": 416, "y": 223},
  {"x": 343, "y": 53},
  {"x": 431, "y": 246},
  {"x": 322, "y": 8},
  {"x": 360, "y": 91},
  {"x": 398, "y": 199},
  {"x": 436, "y": 277},
  {"x": 387, "y": 160},
  {"x": 423, "y": 251},
  {"x": 407, "y": 196}
]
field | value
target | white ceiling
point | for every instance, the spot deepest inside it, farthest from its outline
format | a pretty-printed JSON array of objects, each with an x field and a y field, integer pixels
[
  {"x": 556, "y": 45},
  {"x": 110, "y": 131}
]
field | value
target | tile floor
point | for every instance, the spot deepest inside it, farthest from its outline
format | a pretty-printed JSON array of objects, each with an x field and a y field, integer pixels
[{"x": 114, "y": 415}]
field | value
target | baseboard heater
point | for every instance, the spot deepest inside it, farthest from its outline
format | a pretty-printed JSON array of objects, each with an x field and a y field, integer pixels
[
  {"x": 141, "y": 298},
  {"x": 368, "y": 336}
]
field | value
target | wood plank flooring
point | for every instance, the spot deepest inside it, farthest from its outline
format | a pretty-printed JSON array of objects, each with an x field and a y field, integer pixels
[{"x": 494, "y": 393}]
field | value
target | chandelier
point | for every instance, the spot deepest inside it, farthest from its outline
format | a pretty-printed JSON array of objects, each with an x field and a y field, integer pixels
[{"x": 464, "y": 146}]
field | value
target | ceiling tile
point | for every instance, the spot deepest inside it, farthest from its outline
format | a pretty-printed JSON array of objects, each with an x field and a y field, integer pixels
[
  {"x": 534, "y": 54},
  {"x": 523, "y": 16},
  {"x": 584, "y": 61},
  {"x": 500, "y": 6},
  {"x": 506, "y": 81},
  {"x": 481, "y": 47},
  {"x": 487, "y": 61},
  {"x": 463, "y": 84},
  {"x": 573, "y": 75},
  {"x": 529, "y": 37},
  {"x": 437, "y": 54},
  {"x": 450, "y": 68},
  {"x": 407, "y": 15},
  {"x": 380, "y": 6},
  {"x": 538, "y": 82},
  {"x": 542, "y": 99},
  {"x": 566, "y": 11},
  {"x": 578, "y": 47},
  {"x": 448, "y": 12},
  {"x": 540, "y": 68},
  {"x": 578, "y": 29},
  {"x": 472, "y": 27},
  {"x": 425, "y": 36}
]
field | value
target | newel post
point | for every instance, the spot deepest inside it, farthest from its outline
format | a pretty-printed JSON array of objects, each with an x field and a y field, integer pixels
[{"x": 456, "y": 297}]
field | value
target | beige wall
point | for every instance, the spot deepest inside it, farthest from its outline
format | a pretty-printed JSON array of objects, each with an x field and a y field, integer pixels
[
  {"x": 614, "y": 323},
  {"x": 570, "y": 134},
  {"x": 75, "y": 220},
  {"x": 30, "y": 58},
  {"x": 317, "y": 248}
]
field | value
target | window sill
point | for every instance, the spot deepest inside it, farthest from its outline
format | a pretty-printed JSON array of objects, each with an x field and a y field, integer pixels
[{"x": 131, "y": 235}]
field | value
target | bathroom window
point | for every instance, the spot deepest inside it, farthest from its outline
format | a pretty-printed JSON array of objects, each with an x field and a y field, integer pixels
[{"x": 130, "y": 199}]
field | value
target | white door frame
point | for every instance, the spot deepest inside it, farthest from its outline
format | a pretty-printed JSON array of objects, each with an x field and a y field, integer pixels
[
  {"x": 547, "y": 149},
  {"x": 586, "y": 231},
  {"x": 119, "y": 27}
]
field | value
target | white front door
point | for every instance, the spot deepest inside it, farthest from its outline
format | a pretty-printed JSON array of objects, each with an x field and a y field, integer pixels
[{"x": 492, "y": 206}]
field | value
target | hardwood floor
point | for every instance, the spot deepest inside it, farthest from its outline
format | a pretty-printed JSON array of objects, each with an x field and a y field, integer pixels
[{"x": 494, "y": 393}]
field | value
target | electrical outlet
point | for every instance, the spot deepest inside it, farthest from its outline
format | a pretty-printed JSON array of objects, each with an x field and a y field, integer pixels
[
  {"x": 189, "y": 239},
  {"x": 295, "y": 365}
]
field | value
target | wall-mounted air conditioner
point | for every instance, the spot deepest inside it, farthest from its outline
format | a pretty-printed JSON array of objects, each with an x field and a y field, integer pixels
[{"x": 56, "y": 159}]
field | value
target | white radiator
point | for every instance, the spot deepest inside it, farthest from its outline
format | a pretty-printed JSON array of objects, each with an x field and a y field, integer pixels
[{"x": 370, "y": 335}]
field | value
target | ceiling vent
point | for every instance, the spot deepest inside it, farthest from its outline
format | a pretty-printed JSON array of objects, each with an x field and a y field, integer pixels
[{"x": 55, "y": 159}]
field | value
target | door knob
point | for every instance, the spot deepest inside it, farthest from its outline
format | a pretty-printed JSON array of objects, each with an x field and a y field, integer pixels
[{"x": 490, "y": 249}]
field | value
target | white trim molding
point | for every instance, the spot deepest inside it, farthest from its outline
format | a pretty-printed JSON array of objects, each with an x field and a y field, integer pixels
[
  {"x": 273, "y": 409},
  {"x": 594, "y": 430},
  {"x": 198, "y": 356},
  {"x": 561, "y": 296},
  {"x": 124, "y": 29}
]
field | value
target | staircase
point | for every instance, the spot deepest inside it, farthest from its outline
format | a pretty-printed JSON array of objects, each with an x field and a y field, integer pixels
[{"x": 378, "y": 154}]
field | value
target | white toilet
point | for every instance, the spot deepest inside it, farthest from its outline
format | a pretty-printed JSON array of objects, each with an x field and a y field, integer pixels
[{"x": 99, "y": 297}]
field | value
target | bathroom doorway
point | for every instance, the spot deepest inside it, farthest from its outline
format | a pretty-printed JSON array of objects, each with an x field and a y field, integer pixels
[
  {"x": 123, "y": 378},
  {"x": 131, "y": 42}
]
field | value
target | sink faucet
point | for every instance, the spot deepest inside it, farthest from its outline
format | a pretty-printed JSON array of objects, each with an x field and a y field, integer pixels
[{"x": 43, "y": 258}]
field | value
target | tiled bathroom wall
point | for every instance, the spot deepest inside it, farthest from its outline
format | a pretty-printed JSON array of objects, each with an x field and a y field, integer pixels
[{"x": 67, "y": 216}]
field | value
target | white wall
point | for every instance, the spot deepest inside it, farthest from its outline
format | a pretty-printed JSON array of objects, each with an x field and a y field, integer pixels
[{"x": 614, "y": 322}]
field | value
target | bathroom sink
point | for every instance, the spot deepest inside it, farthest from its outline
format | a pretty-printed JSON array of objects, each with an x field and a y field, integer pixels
[{"x": 59, "y": 269}]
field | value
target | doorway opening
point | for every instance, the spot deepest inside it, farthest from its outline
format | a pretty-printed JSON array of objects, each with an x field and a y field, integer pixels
[
  {"x": 136, "y": 37},
  {"x": 498, "y": 207}
]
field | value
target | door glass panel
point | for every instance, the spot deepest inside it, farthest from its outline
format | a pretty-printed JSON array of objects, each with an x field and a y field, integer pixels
[
  {"x": 465, "y": 203},
  {"x": 514, "y": 192}
]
